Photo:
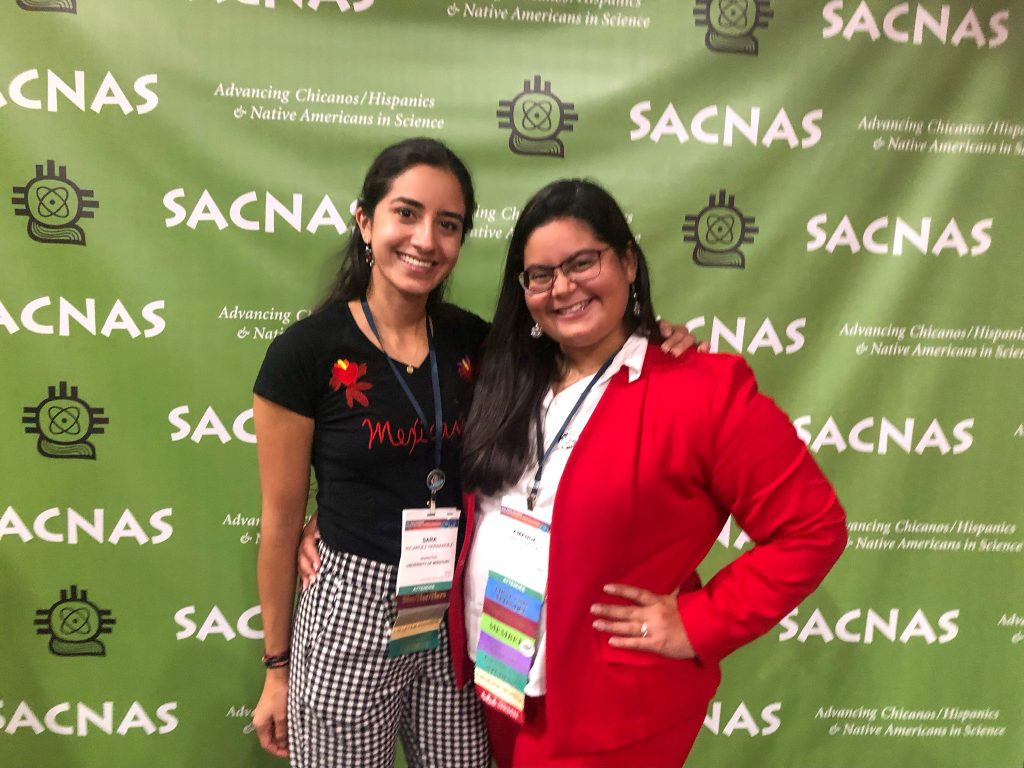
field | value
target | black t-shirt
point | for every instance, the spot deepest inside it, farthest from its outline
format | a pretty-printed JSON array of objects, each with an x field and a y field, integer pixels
[{"x": 370, "y": 452}]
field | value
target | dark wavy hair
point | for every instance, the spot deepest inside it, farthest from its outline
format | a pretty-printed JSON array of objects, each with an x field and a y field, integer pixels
[
  {"x": 516, "y": 371},
  {"x": 354, "y": 275}
]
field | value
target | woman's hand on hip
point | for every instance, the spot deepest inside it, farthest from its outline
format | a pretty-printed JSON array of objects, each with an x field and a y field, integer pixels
[
  {"x": 651, "y": 624},
  {"x": 270, "y": 718}
]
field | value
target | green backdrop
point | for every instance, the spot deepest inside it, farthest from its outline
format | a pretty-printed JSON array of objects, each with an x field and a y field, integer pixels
[{"x": 831, "y": 189}]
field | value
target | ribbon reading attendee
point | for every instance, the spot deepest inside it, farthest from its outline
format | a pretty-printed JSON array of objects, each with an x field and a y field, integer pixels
[
  {"x": 601, "y": 485},
  {"x": 370, "y": 390}
]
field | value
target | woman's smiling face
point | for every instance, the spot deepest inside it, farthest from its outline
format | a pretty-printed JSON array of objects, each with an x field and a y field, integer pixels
[
  {"x": 415, "y": 231},
  {"x": 585, "y": 314}
]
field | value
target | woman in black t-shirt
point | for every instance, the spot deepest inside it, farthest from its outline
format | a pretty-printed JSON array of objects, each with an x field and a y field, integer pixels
[{"x": 360, "y": 391}]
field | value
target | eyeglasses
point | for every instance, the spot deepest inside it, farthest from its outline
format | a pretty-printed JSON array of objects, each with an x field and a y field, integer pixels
[{"x": 580, "y": 267}]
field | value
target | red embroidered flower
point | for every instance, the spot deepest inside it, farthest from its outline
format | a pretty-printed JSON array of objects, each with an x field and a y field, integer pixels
[
  {"x": 346, "y": 374},
  {"x": 465, "y": 368}
]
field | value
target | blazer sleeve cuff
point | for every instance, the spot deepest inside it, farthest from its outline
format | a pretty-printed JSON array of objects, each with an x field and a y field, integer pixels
[{"x": 697, "y": 614}]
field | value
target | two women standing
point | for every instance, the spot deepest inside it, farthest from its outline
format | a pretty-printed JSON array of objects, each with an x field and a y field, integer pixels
[{"x": 602, "y": 468}]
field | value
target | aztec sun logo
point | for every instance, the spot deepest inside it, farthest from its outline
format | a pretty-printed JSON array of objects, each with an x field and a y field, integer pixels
[
  {"x": 536, "y": 116},
  {"x": 731, "y": 23},
  {"x": 54, "y": 205},
  {"x": 64, "y": 423},
  {"x": 718, "y": 231},
  {"x": 74, "y": 624}
]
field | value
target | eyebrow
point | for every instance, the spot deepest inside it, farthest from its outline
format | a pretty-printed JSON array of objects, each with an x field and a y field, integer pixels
[
  {"x": 419, "y": 206},
  {"x": 570, "y": 257}
]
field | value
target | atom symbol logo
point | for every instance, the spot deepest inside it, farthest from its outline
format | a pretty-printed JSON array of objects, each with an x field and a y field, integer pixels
[
  {"x": 74, "y": 624},
  {"x": 75, "y": 621},
  {"x": 54, "y": 206},
  {"x": 64, "y": 420},
  {"x": 731, "y": 24},
  {"x": 52, "y": 201},
  {"x": 733, "y": 13},
  {"x": 719, "y": 229},
  {"x": 64, "y": 423},
  {"x": 537, "y": 115}
]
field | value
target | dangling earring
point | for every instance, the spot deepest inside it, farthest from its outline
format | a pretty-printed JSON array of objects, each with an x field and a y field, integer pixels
[
  {"x": 535, "y": 331},
  {"x": 636, "y": 300},
  {"x": 368, "y": 255}
]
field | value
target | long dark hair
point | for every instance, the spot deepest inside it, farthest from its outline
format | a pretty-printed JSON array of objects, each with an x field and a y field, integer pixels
[
  {"x": 516, "y": 371},
  {"x": 354, "y": 275}
]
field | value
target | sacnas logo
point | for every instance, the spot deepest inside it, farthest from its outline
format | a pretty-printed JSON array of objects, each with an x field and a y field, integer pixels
[
  {"x": 872, "y": 435},
  {"x": 865, "y": 627},
  {"x": 887, "y": 237},
  {"x": 74, "y": 624},
  {"x": 54, "y": 206},
  {"x": 536, "y": 117},
  {"x": 24, "y": 91},
  {"x": 712, "y": 125},
  {"x": 718, "y": 231},
  {"x": 87, "y": 719},
  {"x": 64, "y": 423},
  {"x": 59, "y": 526},
  {"x": 241, "y": 214},
  {"x": 896, "y": 25},
  {"x": 731, "y": 23},
  {"x": 35, "y": 319}
]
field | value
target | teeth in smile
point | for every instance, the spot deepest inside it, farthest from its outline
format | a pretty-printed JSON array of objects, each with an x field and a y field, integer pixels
[
  {"x": 414, "y": 261},
  {"x": 574, "y": 307}
]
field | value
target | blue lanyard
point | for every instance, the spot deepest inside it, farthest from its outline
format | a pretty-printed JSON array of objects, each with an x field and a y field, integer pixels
[
  {"x": 545, "y": 454},
  {"x": 435, "y": 477}
]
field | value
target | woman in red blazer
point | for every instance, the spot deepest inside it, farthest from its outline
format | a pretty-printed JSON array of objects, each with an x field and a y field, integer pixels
[{"x": 599, "y": 489}]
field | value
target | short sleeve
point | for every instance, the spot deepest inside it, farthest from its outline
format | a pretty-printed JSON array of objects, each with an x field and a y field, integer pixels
[{"x": 287, "y": 375}]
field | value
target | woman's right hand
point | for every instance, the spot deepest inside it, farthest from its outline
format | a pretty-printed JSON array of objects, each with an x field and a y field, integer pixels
[
  {"x": 270, "y": 718},
  {"x": 308, "y": 556}
]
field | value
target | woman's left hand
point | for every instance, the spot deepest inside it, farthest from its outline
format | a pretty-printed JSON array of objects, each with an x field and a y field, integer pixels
[
  {"x": 652, "y": 624},
  {"x": 678, "y": 339}
]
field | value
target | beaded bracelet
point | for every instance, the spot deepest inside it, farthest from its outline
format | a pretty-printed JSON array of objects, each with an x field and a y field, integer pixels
[{"x": 280, "y": 660}]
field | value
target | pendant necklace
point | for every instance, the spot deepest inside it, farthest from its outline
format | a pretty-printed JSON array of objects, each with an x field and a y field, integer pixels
[{"x": 435, "y": 477}]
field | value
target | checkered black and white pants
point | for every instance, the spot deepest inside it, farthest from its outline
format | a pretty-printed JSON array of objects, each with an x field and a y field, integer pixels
[{"x": 347, "y": 699}]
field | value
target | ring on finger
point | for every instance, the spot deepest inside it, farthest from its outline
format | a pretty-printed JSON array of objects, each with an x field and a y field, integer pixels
[{"x": 643, "y": 629}]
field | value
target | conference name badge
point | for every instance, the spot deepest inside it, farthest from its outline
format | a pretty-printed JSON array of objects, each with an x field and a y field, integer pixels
[
  {"x": 513, "y": 599},
  {"x": 429, "y": 539}
]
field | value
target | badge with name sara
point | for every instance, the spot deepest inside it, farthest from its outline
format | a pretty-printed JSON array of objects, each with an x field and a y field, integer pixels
[
  {"x": 425, "y": 569},
  {"x": 429, "y": 536}
]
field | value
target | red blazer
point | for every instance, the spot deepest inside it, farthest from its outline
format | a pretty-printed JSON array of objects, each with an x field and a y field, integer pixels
[{"x": 654, "y": 475}]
